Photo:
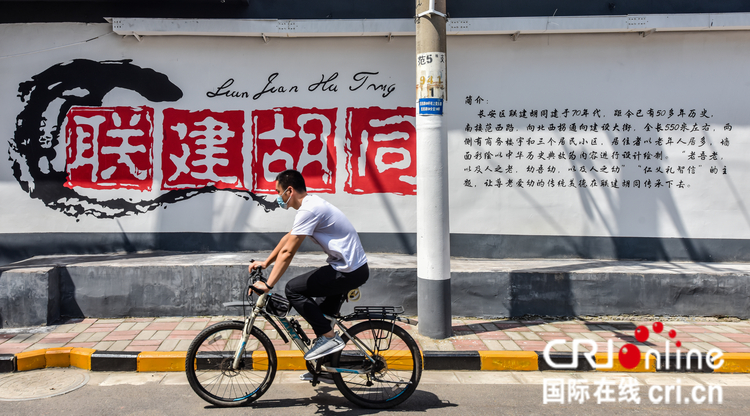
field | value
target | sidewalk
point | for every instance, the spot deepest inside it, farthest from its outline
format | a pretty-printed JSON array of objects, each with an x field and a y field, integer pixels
[
  {"x": 176, "y": 333},
  {"x": 471, "y": 336}
]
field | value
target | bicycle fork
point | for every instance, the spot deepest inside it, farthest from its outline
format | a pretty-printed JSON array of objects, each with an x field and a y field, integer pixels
[{"x": 249, "y": 322}]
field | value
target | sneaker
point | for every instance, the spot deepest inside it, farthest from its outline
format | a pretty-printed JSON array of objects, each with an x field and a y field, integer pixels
[
  {"x": 326, "y": 378},
  {"x": 324, "y": 346}
]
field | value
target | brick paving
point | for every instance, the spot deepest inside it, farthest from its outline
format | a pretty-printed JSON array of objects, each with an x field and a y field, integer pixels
[{"x": 176, "y": 333}]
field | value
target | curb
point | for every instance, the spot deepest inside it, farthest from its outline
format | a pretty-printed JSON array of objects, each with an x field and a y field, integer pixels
[
  {"x": 156, "y": 361},
  {"x": 7, "y": 363}
]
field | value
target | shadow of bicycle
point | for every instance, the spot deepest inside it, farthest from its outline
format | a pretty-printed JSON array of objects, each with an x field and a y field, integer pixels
[{"x": 330, "y": 402}]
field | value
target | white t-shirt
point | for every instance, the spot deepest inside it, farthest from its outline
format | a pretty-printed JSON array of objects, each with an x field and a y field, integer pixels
[{"x": 332, "y": 231}]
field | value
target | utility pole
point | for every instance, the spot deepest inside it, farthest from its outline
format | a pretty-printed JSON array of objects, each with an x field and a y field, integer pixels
[{"x": 433, "y": 220}]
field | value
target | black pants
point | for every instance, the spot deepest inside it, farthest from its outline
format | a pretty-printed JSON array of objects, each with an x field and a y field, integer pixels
[{"x": 328, "y": 284}]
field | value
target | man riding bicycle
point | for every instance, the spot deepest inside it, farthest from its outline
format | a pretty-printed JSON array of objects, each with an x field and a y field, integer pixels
[{"x": 347, "y": 267}]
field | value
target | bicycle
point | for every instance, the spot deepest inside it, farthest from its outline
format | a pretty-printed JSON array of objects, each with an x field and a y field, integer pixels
[{"x": 233, "y": 363}]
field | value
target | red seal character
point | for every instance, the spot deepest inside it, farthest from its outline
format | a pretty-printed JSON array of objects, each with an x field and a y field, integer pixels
[
  {"x": 202, "y": 148},
  {"x": 381, "y": 149},
  {"x": 110, "y": 148},
  {"x": 294, "y": 138}
]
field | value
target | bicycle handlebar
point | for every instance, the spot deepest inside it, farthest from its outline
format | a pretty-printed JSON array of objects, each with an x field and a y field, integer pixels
[{"x": 255, "y": 276}]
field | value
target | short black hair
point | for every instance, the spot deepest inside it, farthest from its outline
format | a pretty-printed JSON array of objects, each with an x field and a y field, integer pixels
[{"x": 291, "y": 178}]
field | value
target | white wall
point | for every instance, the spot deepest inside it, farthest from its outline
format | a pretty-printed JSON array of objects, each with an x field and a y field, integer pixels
[{"x": 606, "y": 71}]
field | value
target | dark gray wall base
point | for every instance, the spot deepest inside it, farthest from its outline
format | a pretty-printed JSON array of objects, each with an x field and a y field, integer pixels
[
  {"x": 193, "y": 290},
  {"x": 7, "y": 363},
  {"x": 570, "y": 293},
  {"x": 29, "y": 297},
  {"x": 114, "y": 361},
  {"x": 15, "y": 247},
  {"x": 198, "y": 285}
]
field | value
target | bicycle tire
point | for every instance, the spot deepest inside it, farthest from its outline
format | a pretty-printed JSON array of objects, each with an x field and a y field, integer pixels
[
  {"x": 399, "y": 359},
  {"x": 209, "y": 359}
]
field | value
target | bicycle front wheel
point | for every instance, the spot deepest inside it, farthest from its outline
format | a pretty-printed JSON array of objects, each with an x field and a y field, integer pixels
[
  {"x": 209, "y": 365},
  {"x": 392, "y": 378}
]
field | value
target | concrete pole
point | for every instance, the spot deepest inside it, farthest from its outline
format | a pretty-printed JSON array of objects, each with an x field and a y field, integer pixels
[{"x": 433, "y": 226}]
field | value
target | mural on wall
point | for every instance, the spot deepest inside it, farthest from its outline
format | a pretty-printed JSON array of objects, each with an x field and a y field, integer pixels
[
  {"x": 71, "y": 153},
  {"x": 603, "y": 143}
]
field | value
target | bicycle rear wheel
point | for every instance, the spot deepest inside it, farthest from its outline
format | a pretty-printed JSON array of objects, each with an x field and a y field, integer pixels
[
  {"x": 395, "y": 374},
  {"x": 209, "y": 365}
]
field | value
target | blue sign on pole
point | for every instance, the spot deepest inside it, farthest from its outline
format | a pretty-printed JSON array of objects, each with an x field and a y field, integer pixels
[{"x": 430, "y": 106}]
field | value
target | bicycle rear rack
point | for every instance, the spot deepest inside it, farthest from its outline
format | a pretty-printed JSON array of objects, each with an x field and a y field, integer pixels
[
  {"x": 392, "y": 310},
  {"x": 390, "y": 313}
]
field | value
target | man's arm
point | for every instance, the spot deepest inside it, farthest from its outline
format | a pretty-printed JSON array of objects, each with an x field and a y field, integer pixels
[
  {"x": 283, "y": 257},
  {"x": 272, "y": 257}
]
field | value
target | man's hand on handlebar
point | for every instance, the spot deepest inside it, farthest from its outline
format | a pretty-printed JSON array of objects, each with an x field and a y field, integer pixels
[
  {"x": 261, "y": 286},
  {"x": 256, "y": 264}
]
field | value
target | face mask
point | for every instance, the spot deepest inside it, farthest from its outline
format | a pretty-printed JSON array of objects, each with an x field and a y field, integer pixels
[{"x": 280, "y": 201}]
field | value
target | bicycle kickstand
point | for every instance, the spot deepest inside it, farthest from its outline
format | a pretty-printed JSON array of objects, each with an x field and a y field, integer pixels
[{"x": 316, "y": 374}]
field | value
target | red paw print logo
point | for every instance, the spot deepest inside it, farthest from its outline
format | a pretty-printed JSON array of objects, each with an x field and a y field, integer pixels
[{"x": 630, "y": 355}]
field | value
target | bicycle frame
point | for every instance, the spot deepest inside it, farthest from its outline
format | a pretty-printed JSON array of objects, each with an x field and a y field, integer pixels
[{"x": 259, "y": 310}]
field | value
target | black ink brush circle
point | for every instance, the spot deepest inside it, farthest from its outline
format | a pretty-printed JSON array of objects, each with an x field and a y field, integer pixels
[{"x": 83, "y": 82}]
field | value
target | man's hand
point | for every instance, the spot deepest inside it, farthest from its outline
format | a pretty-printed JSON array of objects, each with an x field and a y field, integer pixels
[
  {"x": 260, "y": 286},
  {"x": 256, "y": 264}
]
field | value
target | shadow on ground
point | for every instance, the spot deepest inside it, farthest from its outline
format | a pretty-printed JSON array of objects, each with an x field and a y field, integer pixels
[{"x": 329, "y": 402}]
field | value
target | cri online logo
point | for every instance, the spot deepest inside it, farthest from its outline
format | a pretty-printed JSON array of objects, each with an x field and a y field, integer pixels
[{"x": 629, "y": 355}]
